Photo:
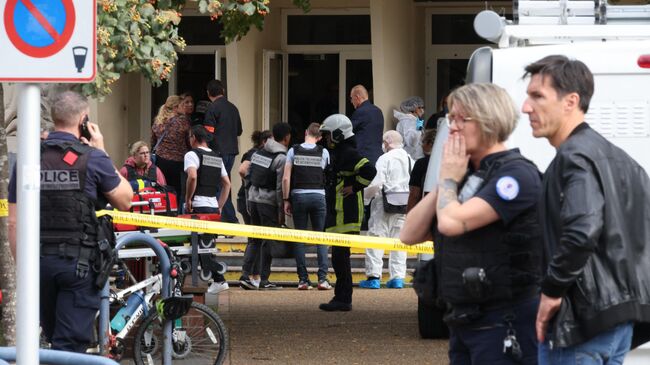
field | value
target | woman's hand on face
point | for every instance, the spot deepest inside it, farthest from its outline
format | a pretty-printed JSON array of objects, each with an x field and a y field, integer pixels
[{"x": 454, "y": 159}]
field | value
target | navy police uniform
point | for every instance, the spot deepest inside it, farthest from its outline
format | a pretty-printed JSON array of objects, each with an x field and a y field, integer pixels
[
  {"x": 74, "y": 177},
  {"x": 489, "y": 277}
]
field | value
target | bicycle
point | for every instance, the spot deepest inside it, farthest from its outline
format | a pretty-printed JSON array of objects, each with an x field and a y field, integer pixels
[{"x": 199, "y": 336}]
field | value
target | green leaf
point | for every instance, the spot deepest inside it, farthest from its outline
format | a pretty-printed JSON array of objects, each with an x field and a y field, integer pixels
[
  {"x": 247, "y": 8},
  {"x": 147, "y": 10}
]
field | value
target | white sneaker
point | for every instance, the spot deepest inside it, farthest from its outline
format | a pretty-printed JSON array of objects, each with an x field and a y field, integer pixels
[
  {"x": 256, "y": 282},
  {"x": 324, "y": 285},
  {"x": 217, "y": 287}
]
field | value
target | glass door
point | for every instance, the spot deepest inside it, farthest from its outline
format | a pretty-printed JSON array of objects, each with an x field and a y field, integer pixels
[
  {"x": 356, "y": 68},
  {"x": 274, "y": 108},
  {"x": 313, "y": 90}
]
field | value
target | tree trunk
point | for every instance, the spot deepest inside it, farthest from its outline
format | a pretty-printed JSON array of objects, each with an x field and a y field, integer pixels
[{"x": 7, "y": 264}]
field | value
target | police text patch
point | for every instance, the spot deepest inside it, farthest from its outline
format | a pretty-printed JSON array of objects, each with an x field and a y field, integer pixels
[
  {"x": 308, "y": 161},
  {"x": 60, "y": 180},
  {"x": 212, "y": 161},
  {"x": 260, "y": 160}
]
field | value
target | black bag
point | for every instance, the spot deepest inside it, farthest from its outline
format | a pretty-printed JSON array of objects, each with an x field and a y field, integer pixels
[
  {"x": 392, "y": 208},
  {"x": 425, "y": 282},
  {"x": 281, "y": 250},
  {"x": 105, "y": 250}
]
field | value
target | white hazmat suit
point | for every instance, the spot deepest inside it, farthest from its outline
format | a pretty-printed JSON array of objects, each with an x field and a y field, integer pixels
[
  {"x": 393, "y": 172},
  {"x": 407, "y": 127}
]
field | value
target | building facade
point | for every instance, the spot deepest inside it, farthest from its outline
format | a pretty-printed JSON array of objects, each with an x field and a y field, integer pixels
[{"x": 301, "y": 67}]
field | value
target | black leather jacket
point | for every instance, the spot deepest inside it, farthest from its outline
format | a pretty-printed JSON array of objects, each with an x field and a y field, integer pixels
[{"x": 595, "y": 214}]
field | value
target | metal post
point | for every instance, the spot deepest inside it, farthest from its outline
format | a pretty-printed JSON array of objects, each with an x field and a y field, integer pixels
[
  {"x": 195, "y": 258},
  {"x": 104, "y": 319},
  {"x": 28, "y": 229}
]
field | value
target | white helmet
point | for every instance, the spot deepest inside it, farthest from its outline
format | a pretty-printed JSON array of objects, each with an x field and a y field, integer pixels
[{"x": 339, "y": 126}]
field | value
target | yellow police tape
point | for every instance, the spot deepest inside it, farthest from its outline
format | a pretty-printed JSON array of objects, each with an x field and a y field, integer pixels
[
  {"x": 4, "y": 208},
  {"x": 280, "y": 234}
]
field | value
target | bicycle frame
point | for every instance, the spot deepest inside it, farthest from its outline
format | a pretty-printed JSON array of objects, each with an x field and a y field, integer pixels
[
  {"x": 155, "y": 282},
  {"x": 165, "y": 291}
]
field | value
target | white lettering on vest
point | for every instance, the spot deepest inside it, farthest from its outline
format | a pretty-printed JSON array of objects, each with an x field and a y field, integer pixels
[
  {"x": 308, "y": 161},
  {"x": 60, "y": 180},
  {"x": 212, "y": 161},
  {"x": 260, "y": 160}
]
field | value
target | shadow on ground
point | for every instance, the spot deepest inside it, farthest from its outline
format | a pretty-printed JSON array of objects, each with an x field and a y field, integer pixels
[{"x": 286, "y": 327}]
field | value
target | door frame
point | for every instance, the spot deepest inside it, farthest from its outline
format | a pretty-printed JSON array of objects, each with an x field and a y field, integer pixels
[
  {"x": 267, "y": 55},
  {"x": 343, "y": 57}
]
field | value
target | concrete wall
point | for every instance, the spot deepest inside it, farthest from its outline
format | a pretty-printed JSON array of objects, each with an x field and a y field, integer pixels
[
  {"x": 111, "y": 115},
  {"x": 118, "y": 116},
  {"x": 394, "y": 67}
]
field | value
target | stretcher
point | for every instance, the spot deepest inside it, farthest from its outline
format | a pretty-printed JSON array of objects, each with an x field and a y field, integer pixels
[{"x": 199, "y": 252}]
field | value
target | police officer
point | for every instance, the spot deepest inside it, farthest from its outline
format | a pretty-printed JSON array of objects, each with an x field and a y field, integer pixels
[
  {"x": 204, "y": 175},
  {"x": 483, "y": 219},
  {"x": 350, "y": 173},
  {"x": 265, "y": 202},
  {"x": 303, "y": 188},
  {"x": 76, "y": 177}
]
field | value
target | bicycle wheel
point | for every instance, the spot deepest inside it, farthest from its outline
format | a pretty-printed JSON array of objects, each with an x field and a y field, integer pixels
[{"x": 198, "y": 337}]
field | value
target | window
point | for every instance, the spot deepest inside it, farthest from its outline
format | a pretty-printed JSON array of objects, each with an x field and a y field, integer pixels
[
  {"x": 454, "y": 29},
  {"x": 201, "y": 31},
  {"x": 328, "y": 29}
]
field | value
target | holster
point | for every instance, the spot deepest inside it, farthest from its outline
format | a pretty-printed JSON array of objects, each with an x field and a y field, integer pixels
[
  {"x": 462, "y": 315},
  {"x": 106, "y": 255}
]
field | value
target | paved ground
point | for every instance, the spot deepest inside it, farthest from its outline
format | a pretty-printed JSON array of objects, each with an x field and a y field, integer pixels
[{"x": 286, "y": 327}]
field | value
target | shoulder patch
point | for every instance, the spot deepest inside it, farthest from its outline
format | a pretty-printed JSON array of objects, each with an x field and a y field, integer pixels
[
  {"x": 70, "y": 158},
  {"x": 507, "y": 188}
]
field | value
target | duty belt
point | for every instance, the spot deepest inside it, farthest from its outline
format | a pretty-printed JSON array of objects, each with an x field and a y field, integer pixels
[
  {"x": 85, "y": 255},
  {"x": 61, "y": 249}
]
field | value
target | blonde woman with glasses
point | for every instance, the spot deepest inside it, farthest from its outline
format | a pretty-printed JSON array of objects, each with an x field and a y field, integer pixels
[{"x": 488, "y": 242}]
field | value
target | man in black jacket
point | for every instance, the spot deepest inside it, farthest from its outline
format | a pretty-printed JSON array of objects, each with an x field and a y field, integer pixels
[
  {"x": 367, "y": 124},
  {"x": 594, "y": 213},
  {"x": 223, "y": 120}
]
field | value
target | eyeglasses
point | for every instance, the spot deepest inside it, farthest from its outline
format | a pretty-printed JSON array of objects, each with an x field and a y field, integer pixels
[{"x": 459, "y": 120}]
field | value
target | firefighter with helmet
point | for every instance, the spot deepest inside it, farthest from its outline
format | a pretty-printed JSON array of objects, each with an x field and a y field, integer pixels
[{"x": 347, "y": 175}]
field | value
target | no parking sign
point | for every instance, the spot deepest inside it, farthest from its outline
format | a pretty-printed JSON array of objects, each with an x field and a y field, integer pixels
[{"x": 48, "y": 40}]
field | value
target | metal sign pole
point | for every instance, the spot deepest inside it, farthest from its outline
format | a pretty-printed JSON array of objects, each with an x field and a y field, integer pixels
[{"x": 28, "y": 229}]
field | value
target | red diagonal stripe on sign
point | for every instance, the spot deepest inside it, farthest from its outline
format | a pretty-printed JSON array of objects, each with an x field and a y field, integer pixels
[{"x": 41, "y": 19}]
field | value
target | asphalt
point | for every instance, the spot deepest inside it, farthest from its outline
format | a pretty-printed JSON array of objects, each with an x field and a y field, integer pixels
[{"x": 286, "y": 327}]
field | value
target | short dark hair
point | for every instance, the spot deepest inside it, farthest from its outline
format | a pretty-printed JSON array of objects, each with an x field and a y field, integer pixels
[
  {"x": 567, "y": 76},
  {"x": 259, "y": 137},
  {"x": 200, "y": 133},
  {"x": 281, "y": 130},
  {"x": 215, "y": 88}
]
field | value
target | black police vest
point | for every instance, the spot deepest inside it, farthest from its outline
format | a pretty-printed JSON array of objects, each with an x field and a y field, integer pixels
[
  {"x": 208, "y": 173},
  {"x": 261, "y": 173},
  {"x": 67, "y": 213},
  {"x": 132, "y": 174},
  {"x": 510, "y": 256},
  {"x": 307, "y": 170}
]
